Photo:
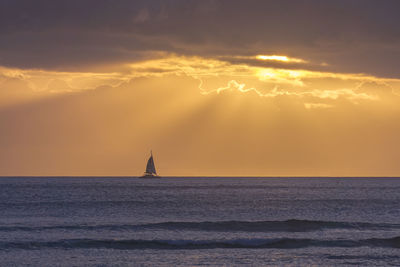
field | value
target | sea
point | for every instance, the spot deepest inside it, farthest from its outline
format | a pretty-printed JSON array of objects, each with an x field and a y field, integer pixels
[{"x": 199, "y": 221}]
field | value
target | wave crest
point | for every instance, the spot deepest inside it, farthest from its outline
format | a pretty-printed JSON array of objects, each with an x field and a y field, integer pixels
[
  {"x": 281, "y": 243},
  {"x": 220, "y": 226}
]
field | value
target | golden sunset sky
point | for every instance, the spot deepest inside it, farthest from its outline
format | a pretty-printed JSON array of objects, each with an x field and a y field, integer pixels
[{"x": 213, "y": 87}]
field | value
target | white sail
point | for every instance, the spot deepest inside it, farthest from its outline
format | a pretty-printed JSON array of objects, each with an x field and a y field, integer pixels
[{"x": 150, "y": 168}]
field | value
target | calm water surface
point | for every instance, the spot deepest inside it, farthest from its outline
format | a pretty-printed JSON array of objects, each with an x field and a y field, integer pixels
[{"x": 199, "y": 221}]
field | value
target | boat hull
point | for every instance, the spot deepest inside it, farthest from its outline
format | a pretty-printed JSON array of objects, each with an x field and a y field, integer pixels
[{"x": 149, "y": 176}]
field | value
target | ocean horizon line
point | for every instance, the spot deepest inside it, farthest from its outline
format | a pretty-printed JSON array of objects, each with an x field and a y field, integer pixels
[{"x": 189, "y": 176}]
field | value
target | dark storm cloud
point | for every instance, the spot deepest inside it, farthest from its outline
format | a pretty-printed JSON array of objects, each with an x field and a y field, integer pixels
[{"x": 350, "y": 35}]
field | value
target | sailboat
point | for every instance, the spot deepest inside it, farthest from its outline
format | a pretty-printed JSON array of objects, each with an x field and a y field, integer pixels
[{"x": 150, "y": 168}]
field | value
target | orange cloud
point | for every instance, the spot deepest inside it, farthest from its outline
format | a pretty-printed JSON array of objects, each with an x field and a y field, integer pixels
[{"x": 214, "y": 76}]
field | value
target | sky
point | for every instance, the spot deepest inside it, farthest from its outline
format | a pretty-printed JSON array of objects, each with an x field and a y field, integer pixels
[{"x": 212, "y": 87}]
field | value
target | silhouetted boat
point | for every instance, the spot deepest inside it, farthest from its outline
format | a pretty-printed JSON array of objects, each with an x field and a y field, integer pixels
[{"x": 150, "y": 168}]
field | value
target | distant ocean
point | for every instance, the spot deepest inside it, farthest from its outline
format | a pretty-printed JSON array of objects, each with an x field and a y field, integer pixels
[{"x": 199, "y": 221}]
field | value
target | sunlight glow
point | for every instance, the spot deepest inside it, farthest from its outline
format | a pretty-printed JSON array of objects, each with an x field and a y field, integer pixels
[
  {"x": 281, "y": 76},
  {"x": 280, "y": 58}
]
